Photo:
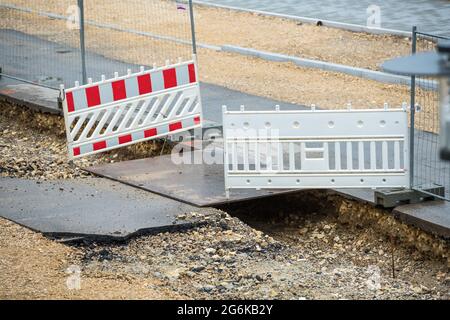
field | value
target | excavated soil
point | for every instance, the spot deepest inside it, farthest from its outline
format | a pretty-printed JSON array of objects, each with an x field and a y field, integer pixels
[
  {"x": 303, "y": 247},
  {"x": 33, "y": 146}
]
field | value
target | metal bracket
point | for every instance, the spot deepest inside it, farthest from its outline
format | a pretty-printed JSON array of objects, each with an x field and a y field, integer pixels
[
  {"x": 59, "y": 103},
  {"x": 395, "y": 197}
]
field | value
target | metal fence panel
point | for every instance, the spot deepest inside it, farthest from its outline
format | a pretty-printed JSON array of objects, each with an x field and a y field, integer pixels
[
  {"x": 40, "y": 41},
  {"x": 125, "y": 110},
  {"x": 118, "y": 35},
  {"x": 135, "y": 32},
  {"x": 430, "y": 173},
  {"x": 316, "y": 149}
]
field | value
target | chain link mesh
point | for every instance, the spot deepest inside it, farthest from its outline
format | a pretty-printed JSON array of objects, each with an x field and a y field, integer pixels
[
  {"x": 429, "y": 169},
  {"x": 42, "y": 37}
]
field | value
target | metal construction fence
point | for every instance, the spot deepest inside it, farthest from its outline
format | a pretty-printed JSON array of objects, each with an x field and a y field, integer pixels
[
  {"x": 53, "y": 42},
  {"x": 430, "y": 174}
]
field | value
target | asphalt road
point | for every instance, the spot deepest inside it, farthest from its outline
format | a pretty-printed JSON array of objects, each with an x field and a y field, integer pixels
[{"x": 428, "y": 16}]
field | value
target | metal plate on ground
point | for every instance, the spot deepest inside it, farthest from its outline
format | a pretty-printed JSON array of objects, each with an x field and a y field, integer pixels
[
  {"x": 89, "y": 208},
  {"x": 198, "y": 184}
]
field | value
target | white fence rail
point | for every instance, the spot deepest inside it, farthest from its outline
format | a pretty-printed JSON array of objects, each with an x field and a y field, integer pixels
[
  {"x": 125, "y": 110},
  {"x": 315, "y": 149}
]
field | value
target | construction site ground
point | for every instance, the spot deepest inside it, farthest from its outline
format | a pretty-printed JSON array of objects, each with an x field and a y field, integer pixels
[{"x": 307, "y": 245}]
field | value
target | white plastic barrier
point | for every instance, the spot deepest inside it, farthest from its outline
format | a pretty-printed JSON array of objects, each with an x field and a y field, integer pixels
[
  {"x": 125, "y": 110},
  {"x": 315, "y": 149}
]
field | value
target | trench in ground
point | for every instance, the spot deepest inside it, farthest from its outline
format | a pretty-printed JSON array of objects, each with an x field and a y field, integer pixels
[
  {"x": 313, "y": 229},
  {"x": 282, "y": 216},
  {"x": 335, "y": 220}
]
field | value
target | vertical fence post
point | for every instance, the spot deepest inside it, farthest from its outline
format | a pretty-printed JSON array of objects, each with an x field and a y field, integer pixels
[
  {"x": 82, "y": 44},
  {"x": 412, "y": 112},
  {"x": 191, "y": 16}
]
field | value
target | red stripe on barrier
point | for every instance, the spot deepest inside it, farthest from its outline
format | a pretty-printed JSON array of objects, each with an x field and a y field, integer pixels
[
  {"x": 170, "y": 78},
  {"x": 192, "y": 76},
  {"x": 70, "y": 103},
  {"x": 175, "y": 126},
  {"x": 93, "y": 96},
  {"x": 119, "y": 90},
  {"x": 145, "y": 84},
  {"x": 196, "y": 120},
  {"x": 99, "y": 145},
  {"x": 125, "y": 139},
  {"x": 150, "y": 132},
  {"x": 76, "y": 151}
]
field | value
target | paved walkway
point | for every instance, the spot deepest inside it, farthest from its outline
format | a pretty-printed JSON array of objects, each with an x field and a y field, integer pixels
[{"x": 428, "y": 15}]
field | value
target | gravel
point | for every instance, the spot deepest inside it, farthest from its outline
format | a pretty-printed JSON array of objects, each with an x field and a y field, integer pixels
[
  {"x": 312, "y": 246},
  {"x": 34, "y": 267},
  {"x": 295, "y": 254},
  {"x": 33, "y": 146}
]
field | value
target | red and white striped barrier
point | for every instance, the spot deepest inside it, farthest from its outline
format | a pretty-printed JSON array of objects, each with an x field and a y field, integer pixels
[{"x": 125, "y": 110}]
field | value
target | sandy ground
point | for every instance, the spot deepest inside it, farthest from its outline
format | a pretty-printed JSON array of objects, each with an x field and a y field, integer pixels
[
  {"x": 218, "y": 27},
  {"x": 43, "y": 154},
  {"x": 34, "y": 267}
]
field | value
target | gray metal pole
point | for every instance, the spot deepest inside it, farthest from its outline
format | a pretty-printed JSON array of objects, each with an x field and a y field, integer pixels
[
  {"x": 412, "y": 113},
  {"x": 82, "y": 45},
  {"x": 191, "y": 15}
]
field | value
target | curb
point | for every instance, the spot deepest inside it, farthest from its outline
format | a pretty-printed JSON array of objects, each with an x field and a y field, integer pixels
[
  {"x": 308, "y": 63},
  {"x": 327, "y": 66}
]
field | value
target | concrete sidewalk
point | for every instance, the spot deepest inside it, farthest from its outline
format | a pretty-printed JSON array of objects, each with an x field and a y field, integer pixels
[
  {"x": 90, "y": 208},
  {"x": 28, "y": 57}
]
